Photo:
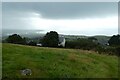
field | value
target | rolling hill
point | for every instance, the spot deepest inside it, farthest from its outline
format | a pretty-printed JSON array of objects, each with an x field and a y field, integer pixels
[{"x": 56, "y": 63}]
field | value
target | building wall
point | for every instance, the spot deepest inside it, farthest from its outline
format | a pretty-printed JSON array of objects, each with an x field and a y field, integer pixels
[{"x": 62, "y": 43}]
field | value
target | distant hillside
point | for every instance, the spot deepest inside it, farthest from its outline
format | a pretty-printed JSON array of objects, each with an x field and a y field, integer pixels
[
  {"x": 36, "y": 34},
  {"x": 56, "y": 63},
  {"x": 102, "y": 39},
  {"x": 23, "y": 33}
]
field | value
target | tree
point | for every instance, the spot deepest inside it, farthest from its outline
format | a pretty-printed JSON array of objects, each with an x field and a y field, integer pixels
[
  {"x": 114, "y": 40},
  {"x": 51, "y": 39},
  {"x": 16, "y": 39}
]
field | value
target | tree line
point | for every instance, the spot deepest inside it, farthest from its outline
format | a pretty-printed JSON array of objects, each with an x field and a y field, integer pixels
[
  {"x": 92, "y": 43},
  {"x": 51, "y": 39}
]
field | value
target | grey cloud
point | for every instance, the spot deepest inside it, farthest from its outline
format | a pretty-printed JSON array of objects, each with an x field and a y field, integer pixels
[
  {"x": 14, "y": 13},
  {"x": 119, "y": 17},
  {"x": 14, "y": 23},
  {"x": 64, "y": 10},
  {"x": 60, "y": 0}
]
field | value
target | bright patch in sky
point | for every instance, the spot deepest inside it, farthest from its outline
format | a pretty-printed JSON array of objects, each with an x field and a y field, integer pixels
[{"x": 66, "y": 26}]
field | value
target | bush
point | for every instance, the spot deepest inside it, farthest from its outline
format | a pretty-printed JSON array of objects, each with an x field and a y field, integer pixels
[
  {"x": 100, "y": 49},
  {"x": 108, "y": 50},
  {"x": 114, "y": 40},
  {"x": 117, "y": 49},
  {"x": 85, "y": 44}
]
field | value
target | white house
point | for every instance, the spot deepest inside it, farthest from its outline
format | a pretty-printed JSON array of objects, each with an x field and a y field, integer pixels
[
  {"x": 39, "y": 44},
  {"x": 61, "y": 41}
]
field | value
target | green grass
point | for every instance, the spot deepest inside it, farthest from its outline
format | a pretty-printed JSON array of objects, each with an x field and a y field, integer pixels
[
  {"x": 56, "y": 63},
  {"x": 0, "y": 60}
]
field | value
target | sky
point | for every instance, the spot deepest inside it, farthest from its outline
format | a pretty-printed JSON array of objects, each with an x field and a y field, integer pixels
[{"x": 72, "y": 18}]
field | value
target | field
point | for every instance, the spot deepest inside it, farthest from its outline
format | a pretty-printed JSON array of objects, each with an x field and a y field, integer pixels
[
  {"x": 0, "y": 60},
  {"x": 56, "y": 63}
]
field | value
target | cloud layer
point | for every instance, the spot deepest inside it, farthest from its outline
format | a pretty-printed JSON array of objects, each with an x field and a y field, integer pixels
[
  {"x": 62, "y": 16},
  {"x": 66, "y": 10}
]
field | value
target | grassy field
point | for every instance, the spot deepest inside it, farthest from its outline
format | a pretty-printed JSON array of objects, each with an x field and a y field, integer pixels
[
  {"x": 56, "y": 63},
  {"x": 0, "y": 60}
]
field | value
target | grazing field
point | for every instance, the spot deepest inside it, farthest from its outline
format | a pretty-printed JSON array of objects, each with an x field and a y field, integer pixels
[{"x": 56, "y": 63}]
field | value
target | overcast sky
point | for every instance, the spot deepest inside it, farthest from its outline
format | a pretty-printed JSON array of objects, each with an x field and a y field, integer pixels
[{"x": 81, "y": 18}]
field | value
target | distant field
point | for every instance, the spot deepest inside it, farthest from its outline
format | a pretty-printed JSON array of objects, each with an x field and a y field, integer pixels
[{"x": 56, "y": 63}]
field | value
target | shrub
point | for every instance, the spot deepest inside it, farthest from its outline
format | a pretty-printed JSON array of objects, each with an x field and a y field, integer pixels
[{"x": 85, "y": 44}]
